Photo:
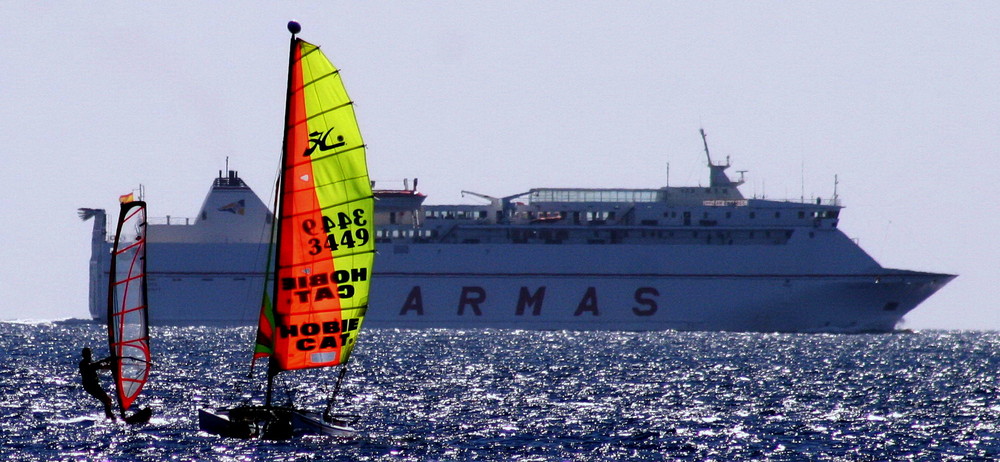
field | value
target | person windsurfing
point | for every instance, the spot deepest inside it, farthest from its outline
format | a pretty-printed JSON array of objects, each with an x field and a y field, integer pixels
[{"x": 91, "y": 382}]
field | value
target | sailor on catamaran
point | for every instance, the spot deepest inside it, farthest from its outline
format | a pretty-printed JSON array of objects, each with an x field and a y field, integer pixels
[{"x": 91, "y": 383}]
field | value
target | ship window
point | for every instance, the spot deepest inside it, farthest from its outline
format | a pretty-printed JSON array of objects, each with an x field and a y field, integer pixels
[
  {"x": 777, "y": 214},
  {"x": 729, "y": 214},
  {"x": 725, "y": 190},
  {"x": 753, "y": 214},
  {"x": 704, "y": 215},
  {"x": 802, "y": 214}
]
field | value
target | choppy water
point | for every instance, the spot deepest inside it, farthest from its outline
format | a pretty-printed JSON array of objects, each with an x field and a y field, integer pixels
[{"x": 461, "y": 395}]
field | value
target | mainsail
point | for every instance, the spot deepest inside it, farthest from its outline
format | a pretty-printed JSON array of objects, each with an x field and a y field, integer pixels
[
  {"x": 128, "y": 325},
  {"x": 324, "y": 245},
  {"x": 324, "y": 230}
]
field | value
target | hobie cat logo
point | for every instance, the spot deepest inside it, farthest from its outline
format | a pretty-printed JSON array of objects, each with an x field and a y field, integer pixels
[
  {"x": 238, "y": 207},
  {"x": 316, "y": 141}
]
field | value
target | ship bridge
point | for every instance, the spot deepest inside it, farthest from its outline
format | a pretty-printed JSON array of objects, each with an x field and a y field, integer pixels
[{"x": 231, "y": 213}]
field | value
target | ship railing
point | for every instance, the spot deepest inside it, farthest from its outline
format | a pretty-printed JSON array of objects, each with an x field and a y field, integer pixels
[
  {"x": 835, "y": 201},
  {"x": 169, "y": 220}
]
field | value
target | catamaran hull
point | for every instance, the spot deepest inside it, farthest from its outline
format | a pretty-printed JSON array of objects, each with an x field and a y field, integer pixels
[
  {"x": 312, "y": 423},
  {"x": 219, "y": 422}
]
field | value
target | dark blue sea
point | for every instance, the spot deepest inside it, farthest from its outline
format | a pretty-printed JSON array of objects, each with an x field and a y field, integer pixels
[{"x": 501, "y": 395}]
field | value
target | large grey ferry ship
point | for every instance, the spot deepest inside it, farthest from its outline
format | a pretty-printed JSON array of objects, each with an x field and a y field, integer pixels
[{"x": 684, "y": 258}]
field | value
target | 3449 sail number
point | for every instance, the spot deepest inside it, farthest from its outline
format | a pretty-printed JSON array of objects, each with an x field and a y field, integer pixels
[{"x": 339, "y": 231}]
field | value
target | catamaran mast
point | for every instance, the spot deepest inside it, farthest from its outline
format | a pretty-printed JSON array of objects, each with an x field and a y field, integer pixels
[{"x": 294, "y": 28}]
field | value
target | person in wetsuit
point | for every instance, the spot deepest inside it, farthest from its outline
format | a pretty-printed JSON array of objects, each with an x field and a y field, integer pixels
[{"x": 91, "y": 383}]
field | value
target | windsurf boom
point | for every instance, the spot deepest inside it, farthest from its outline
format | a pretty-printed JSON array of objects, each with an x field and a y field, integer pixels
[{"x": 128, "y": 318}]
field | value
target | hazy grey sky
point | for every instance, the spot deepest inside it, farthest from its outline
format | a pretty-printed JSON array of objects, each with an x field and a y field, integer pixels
[{"x": 898, "y": 99}]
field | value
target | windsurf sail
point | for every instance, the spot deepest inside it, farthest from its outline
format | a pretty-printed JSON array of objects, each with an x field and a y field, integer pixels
[
  {"x": 128, "y": 320},
  {"x": 324, "y": 232}
]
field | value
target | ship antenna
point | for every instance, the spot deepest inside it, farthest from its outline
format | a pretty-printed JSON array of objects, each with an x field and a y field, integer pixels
[{"x": 835, "y": 183}]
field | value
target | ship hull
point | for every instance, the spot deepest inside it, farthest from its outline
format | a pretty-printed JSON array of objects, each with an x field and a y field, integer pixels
[
  {"x": 702, "y": 259},
  {"x": 639, "y": 288},
  {"x": 750, "y": 303}
]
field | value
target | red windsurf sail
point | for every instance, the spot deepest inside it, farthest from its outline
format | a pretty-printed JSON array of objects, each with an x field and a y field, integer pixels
[{"x": 128, "y": 320}]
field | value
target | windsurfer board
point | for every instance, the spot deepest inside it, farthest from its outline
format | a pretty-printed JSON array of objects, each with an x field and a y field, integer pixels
[{"x": 140, "y": 417}]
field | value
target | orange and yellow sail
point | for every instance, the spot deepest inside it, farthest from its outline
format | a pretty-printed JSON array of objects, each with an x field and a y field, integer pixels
[{"x": 324, "y": 229}]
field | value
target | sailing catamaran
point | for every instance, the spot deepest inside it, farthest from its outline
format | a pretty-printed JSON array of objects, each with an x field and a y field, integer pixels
[
  {"x": 128, "y": 319},
  {"x": 318, "y": 281}
]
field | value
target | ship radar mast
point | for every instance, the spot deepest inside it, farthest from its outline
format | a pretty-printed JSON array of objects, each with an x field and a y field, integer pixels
[{"x": 718, "y": 177}]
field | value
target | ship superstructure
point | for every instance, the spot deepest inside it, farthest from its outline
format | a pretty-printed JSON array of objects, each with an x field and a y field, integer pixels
[
  {"x": 686, "y": 258},
  {"x": 205, "y": 269}
]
